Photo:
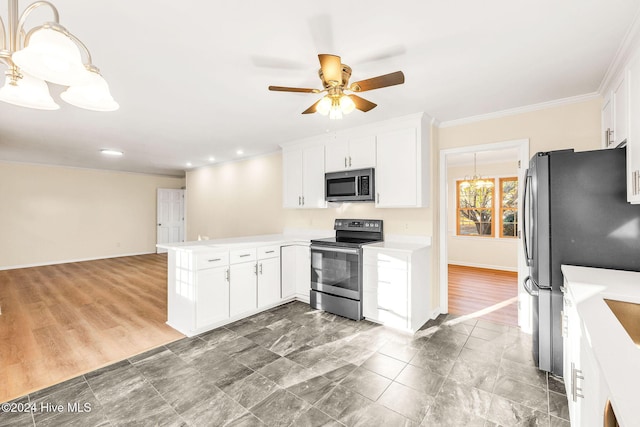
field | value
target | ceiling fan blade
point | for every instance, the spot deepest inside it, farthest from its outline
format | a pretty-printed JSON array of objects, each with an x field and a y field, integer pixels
[
  {"x": 391, "y": 79},
  {"x": 331, "y": 67},
  {"x": 292, "y": 89},
  {"x": 361, "y": 103},
  {"x": 312, "y": 109}
]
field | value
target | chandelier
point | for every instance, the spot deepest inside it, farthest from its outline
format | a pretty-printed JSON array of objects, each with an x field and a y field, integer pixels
[
  {"x": 335, "y": 104},
  {"x": 476, "y": 181},
  {"x": 48, "y": 53}
]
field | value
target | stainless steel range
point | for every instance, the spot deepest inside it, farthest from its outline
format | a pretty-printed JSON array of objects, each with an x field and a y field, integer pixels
[{"x": 336, "y": 266}]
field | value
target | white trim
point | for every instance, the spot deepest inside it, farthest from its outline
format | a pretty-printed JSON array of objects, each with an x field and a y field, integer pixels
[
  {"x": 521, "y": 110},
  {"x": 487, "y": 266},
  {"x": 623, "y": 54},
  {"x": 524, "y": 317},
  {"x": 13, "y": 267}
]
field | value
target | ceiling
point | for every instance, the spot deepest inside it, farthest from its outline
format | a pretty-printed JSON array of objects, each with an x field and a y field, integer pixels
[{"x": 191, "y": 78}]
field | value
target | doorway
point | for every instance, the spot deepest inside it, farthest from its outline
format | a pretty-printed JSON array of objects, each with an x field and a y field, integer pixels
[
  {"x": 519, "y": 151},
  {"x": 170, "y": 217}
]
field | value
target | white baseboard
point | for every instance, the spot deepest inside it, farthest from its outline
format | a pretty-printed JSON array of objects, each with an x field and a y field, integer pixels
[
  {"x": 13, "y": 267},
  {"x": 490, "y": 267}
]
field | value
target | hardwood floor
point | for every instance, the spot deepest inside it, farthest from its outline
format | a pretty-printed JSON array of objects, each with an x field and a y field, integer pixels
[
  {"x": 475, "y": 290},
  {"x": 63, "y": 320}
]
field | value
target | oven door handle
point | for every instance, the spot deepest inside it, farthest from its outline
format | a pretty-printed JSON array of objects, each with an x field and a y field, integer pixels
[{"x": 335, "y": 249}]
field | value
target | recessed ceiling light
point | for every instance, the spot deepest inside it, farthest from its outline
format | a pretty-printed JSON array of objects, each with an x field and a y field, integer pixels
[
  {"x": 189, "y": 164},
  {"x": 239, "y": 152},
  {"x": 212, "y": 159},
  {"x": 109, "y": 152}
]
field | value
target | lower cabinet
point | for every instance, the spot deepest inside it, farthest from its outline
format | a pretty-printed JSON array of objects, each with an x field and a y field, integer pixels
[
  {"x": 212, "y": 296},
  {"x": 296, "y": 272},
  {"x": 243, "y": 291},
  {"x": 396, "y": 289},
  {"x": 268, "y": 281}
]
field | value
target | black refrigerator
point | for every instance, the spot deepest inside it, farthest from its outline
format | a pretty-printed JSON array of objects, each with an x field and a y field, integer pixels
[{"x": 575, "y": 212}]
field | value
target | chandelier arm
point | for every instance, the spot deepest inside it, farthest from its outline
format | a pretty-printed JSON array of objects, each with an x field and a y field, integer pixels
[
  {"x": 22, "y": 38},
  {"x": 4, "y": 35}
]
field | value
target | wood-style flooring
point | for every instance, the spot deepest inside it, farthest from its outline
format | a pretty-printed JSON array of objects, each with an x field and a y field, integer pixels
[
  {"x": 63, "y": 320},
  {"x": 489, "y": 293}
]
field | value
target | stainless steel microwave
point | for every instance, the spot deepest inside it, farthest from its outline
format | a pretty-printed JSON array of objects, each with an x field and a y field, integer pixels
[{"x": 350, "y": 186}]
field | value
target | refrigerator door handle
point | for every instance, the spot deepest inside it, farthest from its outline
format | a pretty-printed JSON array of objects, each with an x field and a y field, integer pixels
[
  {"x": 533, "y": 292},
  {"x": 524, "y": 219}
]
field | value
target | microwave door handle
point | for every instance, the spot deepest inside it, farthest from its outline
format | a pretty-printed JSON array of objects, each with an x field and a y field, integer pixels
[
  {"x": 524, "y": 219},
  {"x": 358, "y": 182}
]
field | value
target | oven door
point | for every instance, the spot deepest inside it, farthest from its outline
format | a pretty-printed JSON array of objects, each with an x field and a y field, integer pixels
[{"x": 337, "y": 271}]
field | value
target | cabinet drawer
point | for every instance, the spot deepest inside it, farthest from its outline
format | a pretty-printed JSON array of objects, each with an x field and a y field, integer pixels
[
  {"x": 242, "y": 255},
  {"x": 386, "y": 259},
  {"x": 268, "y": 251},
  {"x": 212, "y": 259}
]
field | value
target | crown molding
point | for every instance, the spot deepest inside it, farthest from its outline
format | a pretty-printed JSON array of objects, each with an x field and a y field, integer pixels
[
  {"x": 520, "y": 110},
  {"x": 626, "y": 50}
]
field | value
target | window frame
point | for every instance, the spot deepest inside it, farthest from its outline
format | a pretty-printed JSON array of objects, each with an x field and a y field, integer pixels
[
  {"x": 502, "y": 207},
  {"x": 458, "y": 208}
]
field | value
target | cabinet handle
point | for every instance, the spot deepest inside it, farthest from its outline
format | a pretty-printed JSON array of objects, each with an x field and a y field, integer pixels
[
  {"x": 214, "y": 260},
  {"x": 611, "y": 138},
  {"x": 299, "y": 200},
  {"x": 260, "y": 268},
  {"x": 244, "y": 255},
  {"x": 345, "y": 162},
  {"x": 302, "y": 200},
  {"x": 349, "y": 161},
  {"x": 269, "y": 252},
  {"x": 228, "y": 275},
  {"x": 377, "y": 197},
  {"x": 575, "y": 376},
  {"x": 255, "y": 269}
]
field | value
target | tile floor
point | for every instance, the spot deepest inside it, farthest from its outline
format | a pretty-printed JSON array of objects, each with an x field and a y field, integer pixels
[{"x": 293, "y": 366}]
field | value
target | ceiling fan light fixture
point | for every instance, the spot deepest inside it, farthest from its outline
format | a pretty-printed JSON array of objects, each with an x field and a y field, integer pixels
[
  {"x": 53, "y": 56},
  {"x": 93, "y": 94},
  {"x": 346, "y": 104},
  {"x": 27, "y": 91},
  {"x": 324, "y": 106}
]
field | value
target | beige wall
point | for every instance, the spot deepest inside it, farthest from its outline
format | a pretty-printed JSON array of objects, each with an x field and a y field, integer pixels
[
  {"x": 242, "y": 198},
  {"x": 485, "y": 252},
  {"x": 55, "y": 214}
]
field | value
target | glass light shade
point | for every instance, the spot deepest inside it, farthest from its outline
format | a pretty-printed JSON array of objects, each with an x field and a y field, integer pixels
[
  {"x": 346, "y": 104},
  {"x": 335, "y": 113},
  {"x": 324, "y": 106},
  {"x": 52, "y": 56},
  {"x": 28, "y": 92},
  {"x": 92, "y": 95}
]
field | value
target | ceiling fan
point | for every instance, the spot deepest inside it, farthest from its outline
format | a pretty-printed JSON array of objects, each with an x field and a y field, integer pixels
[{"x": 335, "y": 79}]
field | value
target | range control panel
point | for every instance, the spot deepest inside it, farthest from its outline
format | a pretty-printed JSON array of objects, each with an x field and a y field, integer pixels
[{"x": 358, "y": 224}]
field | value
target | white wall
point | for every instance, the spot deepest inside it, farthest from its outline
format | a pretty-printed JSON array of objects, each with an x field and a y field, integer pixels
[
  {"x": 52, "y": 214},
  {"x": 484, "y": 252}
]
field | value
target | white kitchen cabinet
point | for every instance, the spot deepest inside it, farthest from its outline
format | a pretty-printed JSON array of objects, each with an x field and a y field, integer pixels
[
  {"x": 243, "y": 289},
  {"x": 296, "y": 272},
  {"x": 402, "y": 171},
  {"x": 346, "y": 153},
  {"x": 607, "y": 123},
  {"x": 396, "y": 289},
  {"x": 212, "y": 299},
  {"x": 621, "y": 110},
  {"x": 633, "y": 141},
  {"x": 303, "y": 177},
  {"x": 268, "y": 276},
  {"x": 198, "y": 289}
]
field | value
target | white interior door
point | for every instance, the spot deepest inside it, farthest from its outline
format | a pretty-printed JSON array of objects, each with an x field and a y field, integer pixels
[{"x": 170, "y": 225}]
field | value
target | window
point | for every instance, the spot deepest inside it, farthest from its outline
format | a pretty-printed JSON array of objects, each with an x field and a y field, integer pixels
[
  {"x": 477, "y": 202},
  {"x": 475, "y": 208},
  {"x": 509, "y": 207}
]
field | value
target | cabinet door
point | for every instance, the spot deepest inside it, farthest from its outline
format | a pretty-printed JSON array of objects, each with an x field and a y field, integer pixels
[
  {"x": 621, "y": 111},
  {"x": 303, "y": 272},
  {"x": 396, "y": 171},
  {"x": 633, "y": 141},
  {"x": 607, "y": 123},
  {"x": 393, "y": 298},
  {"x": 242, "y": 288},
  {"x": 313, "y": 177},
  {"x": 362, "y": 152},
  {"x": 288, "y": 269},
  {"x": 337, "y": 156},
  {"x": 212, "y": 296},
  {"x": 370, "y": 292},
  {"x": 268, "y": 281},
  {"x": 292, "y": 178},
  {"x": 589, "y": 386}
]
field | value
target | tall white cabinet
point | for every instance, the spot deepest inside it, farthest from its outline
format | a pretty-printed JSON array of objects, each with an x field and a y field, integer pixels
[{"x": 303, "y": 177}]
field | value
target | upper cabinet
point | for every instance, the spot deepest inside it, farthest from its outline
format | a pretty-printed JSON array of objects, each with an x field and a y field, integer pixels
[
  {"x": 621, "y": 111},
  {"x": 303, "y": 177},
  {"x": 356, "y": 152},
  {"x": 607, "y": 123},
  {"x": 398, "y": 149},
  {"x": 633, "y": 141}
]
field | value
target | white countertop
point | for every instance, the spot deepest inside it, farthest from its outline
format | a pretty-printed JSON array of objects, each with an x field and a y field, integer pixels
[
  {"x": 402, "y": 243},
  {"x": 616, "y": 353},
  {"x": 238, "y": 242}
]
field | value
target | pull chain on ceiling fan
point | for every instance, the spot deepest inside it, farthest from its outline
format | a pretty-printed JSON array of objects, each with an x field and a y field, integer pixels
[{"x": 335, "y": 81}]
